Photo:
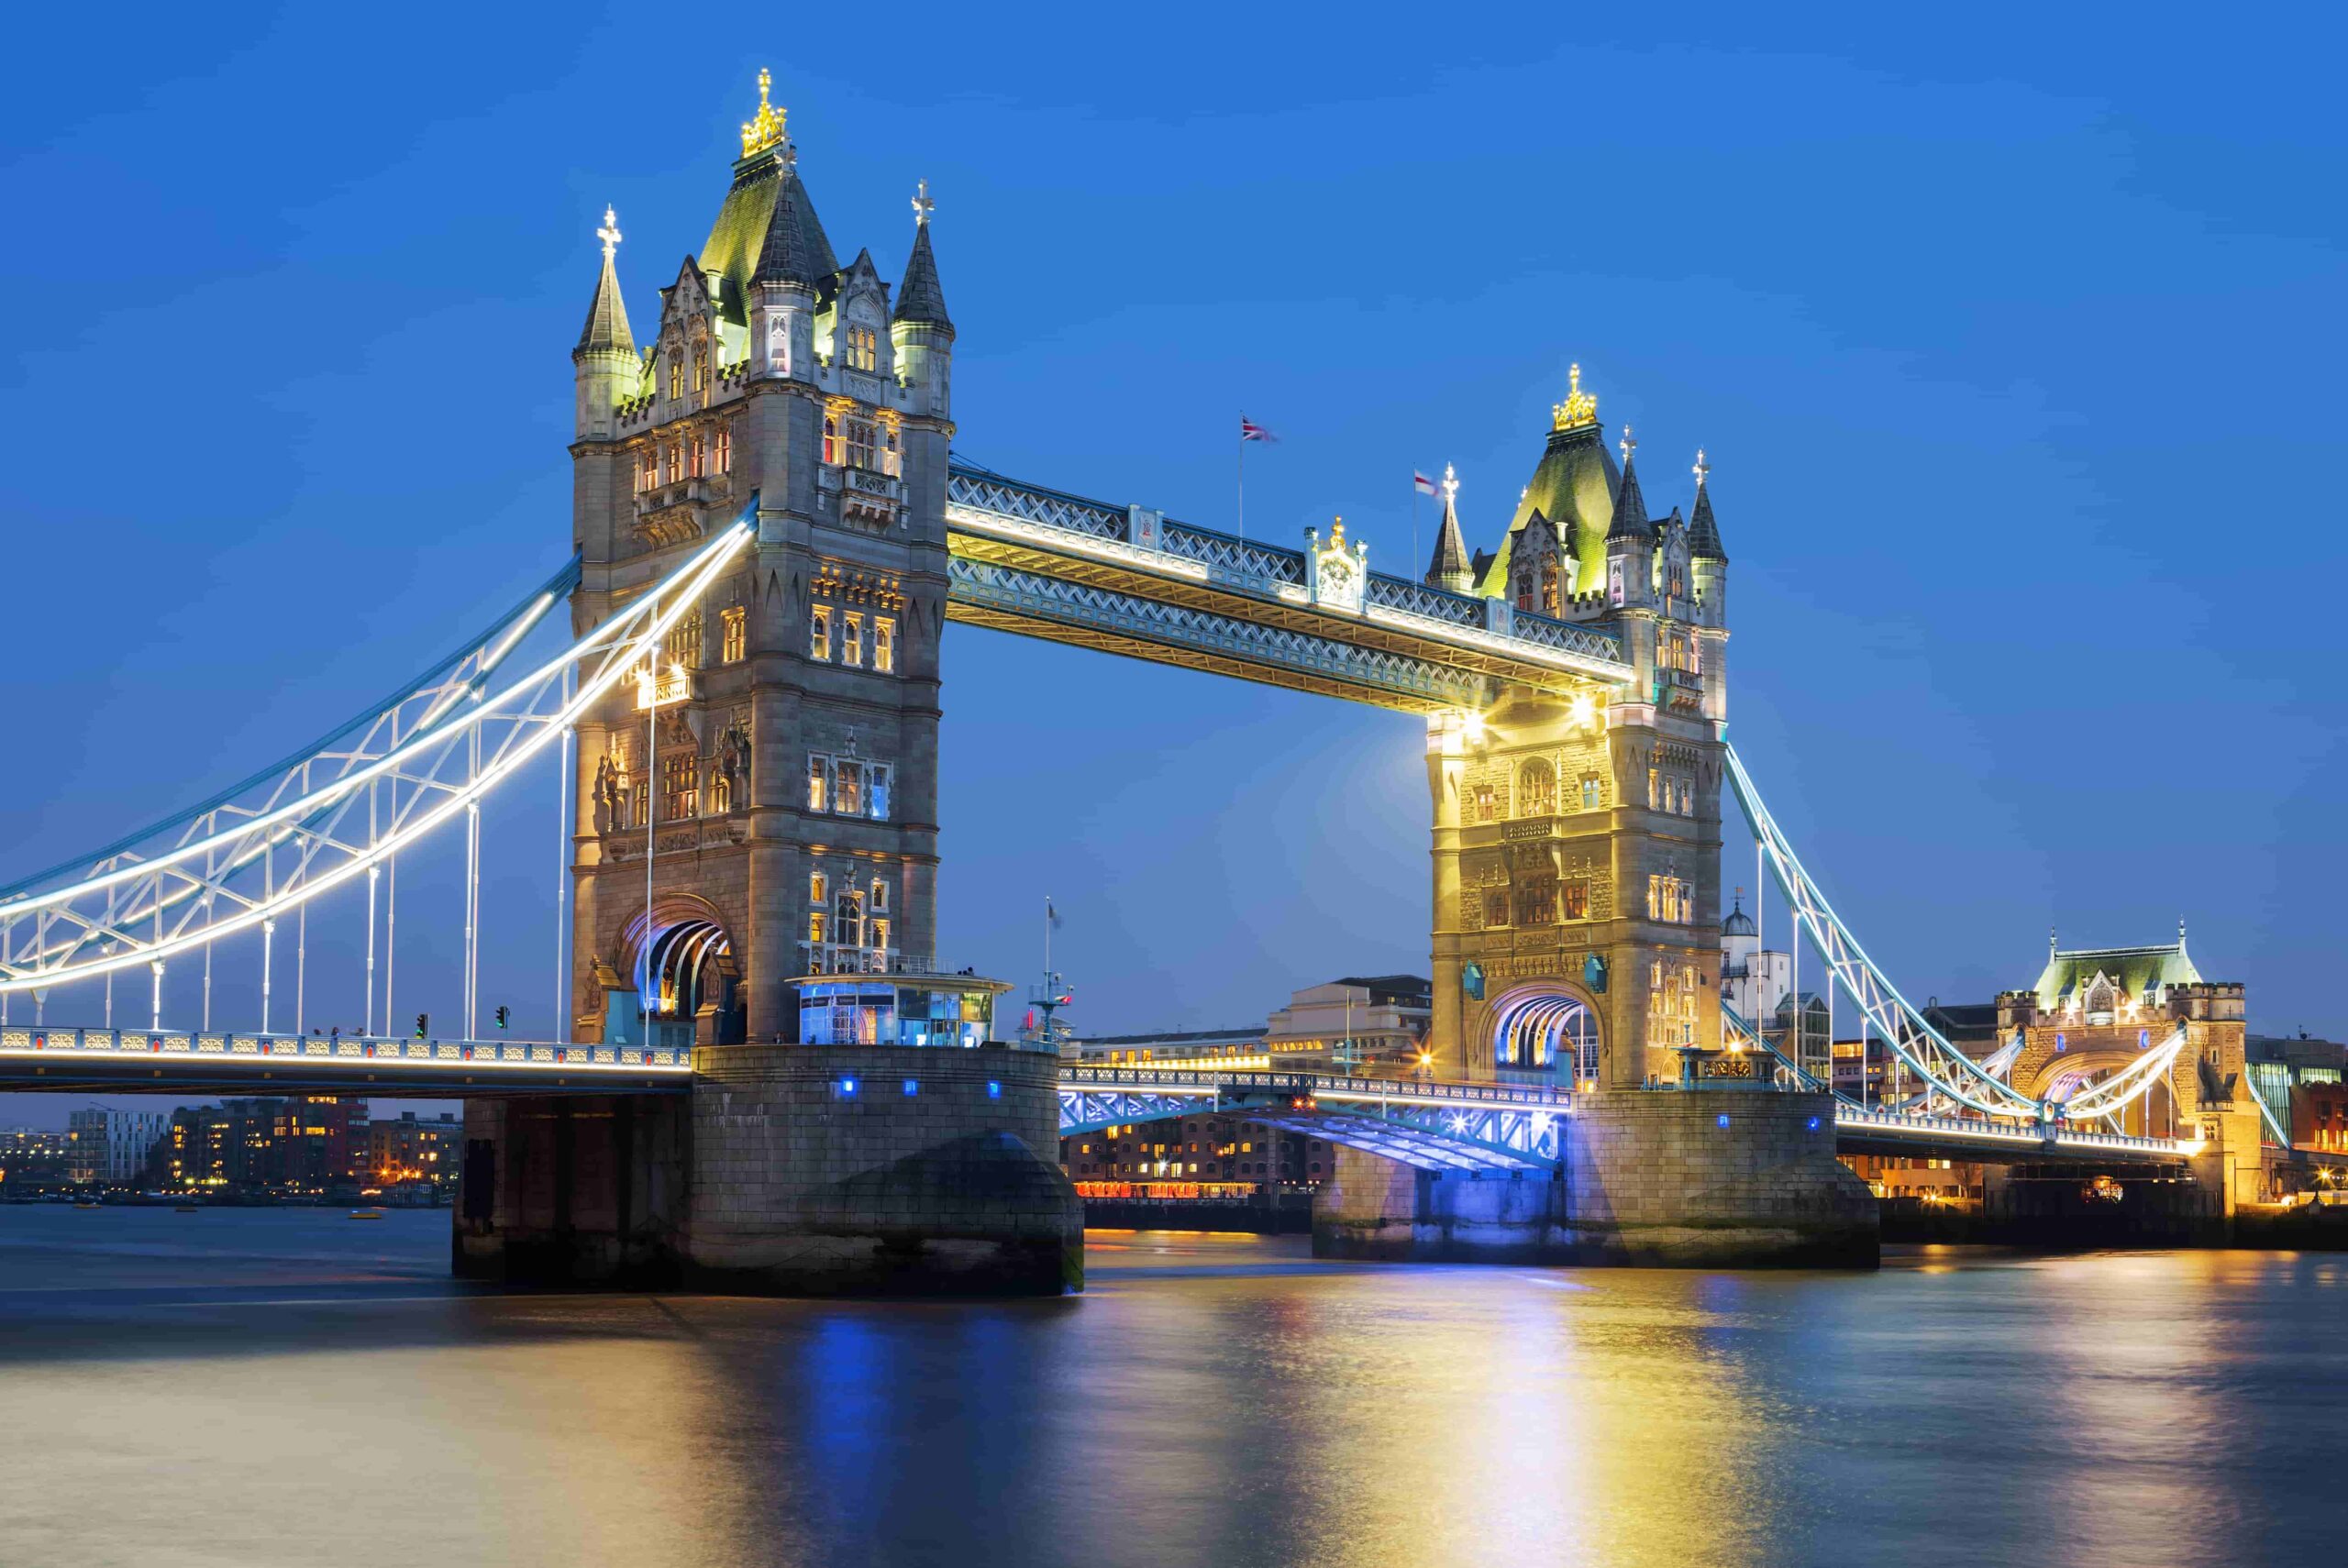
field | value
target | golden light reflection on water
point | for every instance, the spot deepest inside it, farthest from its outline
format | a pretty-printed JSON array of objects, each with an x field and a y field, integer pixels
[{"x": 1214, "y": 1399}]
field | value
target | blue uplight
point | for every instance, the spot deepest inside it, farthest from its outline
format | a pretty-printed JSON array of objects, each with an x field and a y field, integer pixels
[
  {"x": 994, "y": 1089},
  {"x": 913, "y": 1086},
  {"x": 848, "y": 1086},
  {"x": 1722, "y": 1119},
  {"x": 1813, "y": 1124}
]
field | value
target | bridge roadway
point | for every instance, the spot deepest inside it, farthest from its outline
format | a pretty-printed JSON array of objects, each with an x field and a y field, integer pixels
[{"x": 1431, "y": 1125}]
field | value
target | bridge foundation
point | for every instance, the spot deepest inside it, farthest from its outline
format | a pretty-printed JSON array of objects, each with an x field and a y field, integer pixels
[
  {"x": 1688, "y": 1179},
  {"x": 789, "y": 1170}
]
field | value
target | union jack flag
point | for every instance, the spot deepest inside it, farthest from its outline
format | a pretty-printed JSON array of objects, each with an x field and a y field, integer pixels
[{"x": 1251, "y": 431}]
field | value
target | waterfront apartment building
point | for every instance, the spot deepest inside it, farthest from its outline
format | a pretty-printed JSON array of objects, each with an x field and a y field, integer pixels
[
  {"x": 111, "y": 1146},
  {"x": 292, "y": 1145},
  {"x": 34, "y": 1157},
  {"x": 408, "y": 1148},
  {"x": 1199, "y": 1149}
]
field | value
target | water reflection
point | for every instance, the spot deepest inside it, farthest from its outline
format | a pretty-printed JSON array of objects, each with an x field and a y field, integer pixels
[{"x": 267, "y": 1387}]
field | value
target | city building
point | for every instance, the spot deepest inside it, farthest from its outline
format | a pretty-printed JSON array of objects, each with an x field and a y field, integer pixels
[
  {"x": 35, "y": 1157},
  {"x": 1373, "y": 1024},
  {"x": 1224, "y": 1150},
  {"x": 1221, "y": 1047},
  {"x": 287, "y": 1146},
  {"x": 111, "y": 1145},
  {"x": 1753, "y": 980},
  {"x": 408, "y": 1148}
]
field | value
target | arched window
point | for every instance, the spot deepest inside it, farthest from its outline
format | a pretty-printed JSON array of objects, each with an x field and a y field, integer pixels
[
  {"x": 701, "y": 369},
  {"x": 847, "y": 920},
  {"x": 676, "y": 374},
  {"x": 1537, "y": 789}
]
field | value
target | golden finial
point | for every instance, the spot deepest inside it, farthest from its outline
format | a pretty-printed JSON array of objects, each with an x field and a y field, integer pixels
[
  {"x": 1578, "y": 409},
  {"x": 1338, "y": 533},
  {"x": 610, "y": 233},
  {"x": 759, "y": 134}
]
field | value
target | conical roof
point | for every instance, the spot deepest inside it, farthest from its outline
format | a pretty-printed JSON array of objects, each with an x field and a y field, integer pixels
[
  {"x": 920, "y": 297},
  {"x": 606, "y": 325},
  {"x": 1703, "y": 533},
  {"x": 1449, "y": 567},
  {"x": 737, "y": 241},
  {"x": 1630, "y": 520},
  {"x": 794, "y": 249}
]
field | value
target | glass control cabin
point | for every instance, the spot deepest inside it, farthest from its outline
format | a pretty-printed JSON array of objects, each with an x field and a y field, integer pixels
[{"x": 897, "y": 1009}]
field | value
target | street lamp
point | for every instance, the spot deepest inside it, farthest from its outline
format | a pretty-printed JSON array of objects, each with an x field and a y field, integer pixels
[{"x": 651, "y": 695}]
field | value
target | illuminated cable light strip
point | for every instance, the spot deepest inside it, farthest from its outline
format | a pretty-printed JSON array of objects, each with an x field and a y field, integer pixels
[
  {"x": 1903, "y": 1029},
  {"x": 687, "y": 583}
]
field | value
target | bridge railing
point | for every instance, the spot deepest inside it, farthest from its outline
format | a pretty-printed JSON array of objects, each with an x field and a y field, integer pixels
[
  {"x": 2053, "y": 1134},
  {"x": 170, "y": 1043},
  {"x": 1310, "y": 1083}
]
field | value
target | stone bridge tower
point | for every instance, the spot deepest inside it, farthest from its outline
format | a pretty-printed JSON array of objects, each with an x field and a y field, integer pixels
[
  {"x": 781, "y": 768},
  {"x": 1576, "y": 836}
]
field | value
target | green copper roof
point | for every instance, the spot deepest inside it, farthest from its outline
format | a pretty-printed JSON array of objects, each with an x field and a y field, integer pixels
[
  {"x": 1573, "y": 486},
  {"x": 739, "y": 237},
  {"x": 2132, "y": 971}
]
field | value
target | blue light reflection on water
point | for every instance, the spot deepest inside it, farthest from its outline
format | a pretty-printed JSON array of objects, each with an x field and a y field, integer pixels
[{"x": 1216, "y": 1399}]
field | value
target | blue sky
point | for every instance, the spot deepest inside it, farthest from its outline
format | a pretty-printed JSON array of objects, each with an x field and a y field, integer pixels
[{"x": 2013, "y": 337}]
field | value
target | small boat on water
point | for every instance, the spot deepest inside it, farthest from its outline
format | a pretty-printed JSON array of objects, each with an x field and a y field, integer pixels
[
  {"x": 366, "y": 1214},
  {"x": 88, "y": 1203},
  {"x": 187, "y": 1207}
]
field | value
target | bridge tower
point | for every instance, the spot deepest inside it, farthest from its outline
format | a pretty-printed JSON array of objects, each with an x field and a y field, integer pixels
[
  {"x": 784, "y": 756},
  {"x": 1576, "y": 836},
  {"x": 755, "y": 840}
]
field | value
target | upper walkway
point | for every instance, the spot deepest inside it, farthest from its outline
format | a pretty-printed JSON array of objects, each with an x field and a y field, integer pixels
[{"x": 1127, "y": 580}]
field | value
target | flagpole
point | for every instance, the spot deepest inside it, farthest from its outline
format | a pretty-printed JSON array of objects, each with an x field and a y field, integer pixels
[
  {"x": 1243, "y": 476},
  {"x": 1414, "y": 562}
]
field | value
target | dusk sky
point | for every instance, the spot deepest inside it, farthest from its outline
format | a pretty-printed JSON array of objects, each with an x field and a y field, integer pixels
[{"x": 2013, "y": 337}]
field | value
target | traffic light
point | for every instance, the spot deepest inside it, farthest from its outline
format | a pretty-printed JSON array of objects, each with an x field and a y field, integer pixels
[
  {"x": 423, "y": 1024},
  {"x": 504, "y": 1016}
]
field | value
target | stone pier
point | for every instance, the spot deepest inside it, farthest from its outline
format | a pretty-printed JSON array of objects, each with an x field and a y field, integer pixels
[
  {"x": 1706, "y": 1178},
  {"x": 789, "y": 1169}
]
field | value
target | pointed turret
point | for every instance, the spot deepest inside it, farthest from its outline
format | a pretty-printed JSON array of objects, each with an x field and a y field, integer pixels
[
  {"x": 1449, "y": 567},
  {"x": 920, "y": 331},
  {"x": 1703, "y": 533},
  {"x": 920, "y": 297},
  {"x": 606, "y": 330},
  {"x": 793, "y": 249},
  {"x": 1630, "y": 506},
  {"x": 605, "y": 366}
]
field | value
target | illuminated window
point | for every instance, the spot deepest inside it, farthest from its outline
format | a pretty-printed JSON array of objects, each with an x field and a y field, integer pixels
[
  {"x": 1536, "y": 899},
  {"x": 878, "y": 776},
  {"x": 818, "y": 888},
  {"x": 735, "y": 627},
  {"x": 701, "y": 369},
  {"x": 1486, "y": 803},
  {"x": 673, "y": 462},
  {"x": 678, "y": 786},
  {"x": 848, "y": 788},
  {"x": 676, "y": 375},
  {"x": 819, "y": 632},
  {"x": 832, "y": 439},
  {"x": 1575, "y": 900},
  {"x": 815, "y": 925},
  {"x": 1537, "y": 789},
  {"x": 1593, "y": 795},
  {"x": 852, "y": 638},
  {"x": 721, "y": 792},
  {"x": 1549, "y": 587},
  {"x": 725, "y": 447},
  {"x": 819, "y": 771},
  {"x": 1525, "y": 591},
  {"x": 884, "y": 643},
  {"x": 880, "y": 896},
  {"x": 879, "y": 933},
  {"x": 860, "y": 442},
  {"x": 647, "y": 468},
  {"x": 683, "y": 642},
  {"x": 892, "y": 458},
  {"x": 863, "y": 348},
  {"x": 1495, "y": 908}
]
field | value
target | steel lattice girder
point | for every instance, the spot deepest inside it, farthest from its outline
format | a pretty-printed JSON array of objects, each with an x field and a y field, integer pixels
[{"x": 1089, "y": 1110}]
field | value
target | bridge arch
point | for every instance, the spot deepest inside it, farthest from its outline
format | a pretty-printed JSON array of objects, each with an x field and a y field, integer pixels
[
  {"x": 1546, "y": 1026},
  {"x": 682, "y": 959},
  {"x": 2082, "y": 1058}
]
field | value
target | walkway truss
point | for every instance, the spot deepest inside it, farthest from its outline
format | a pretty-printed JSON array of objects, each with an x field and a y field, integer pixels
[{"x": 340, "y": 810}]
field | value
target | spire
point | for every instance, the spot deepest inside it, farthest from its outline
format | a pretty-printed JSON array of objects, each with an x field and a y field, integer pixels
[
  {"x": 606, "y": 325},
  {"x": 1630, "y": 506},
  {"x": 766, "y": 129},
  {"x": 920, "y": 298},
  {"x": 1449, "y": 568},
  {"x": 794, "y": 249},
  {"x": 1703, "y": 533}
]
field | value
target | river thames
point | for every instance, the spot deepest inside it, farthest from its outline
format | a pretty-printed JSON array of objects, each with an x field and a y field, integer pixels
[{"x": 268, "y": 1387}]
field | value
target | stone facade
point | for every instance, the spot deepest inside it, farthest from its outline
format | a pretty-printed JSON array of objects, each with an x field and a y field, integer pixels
[
  {"x": 1576, "y": 836},
  {"x": 794, "y": 777},
  {"x": 1705, "y": 1178}
]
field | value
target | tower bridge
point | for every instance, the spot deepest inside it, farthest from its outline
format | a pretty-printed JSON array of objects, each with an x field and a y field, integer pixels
[{"x": 771, "y": 532}]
